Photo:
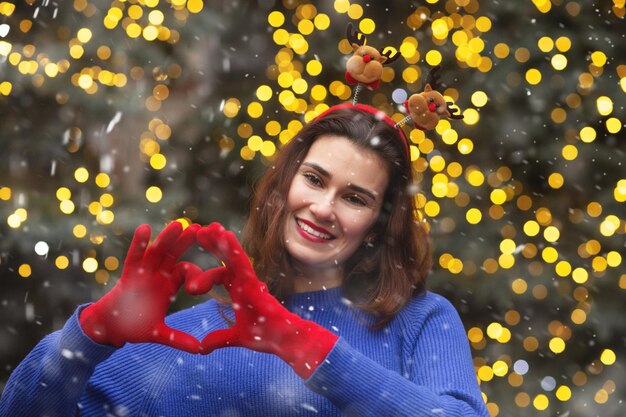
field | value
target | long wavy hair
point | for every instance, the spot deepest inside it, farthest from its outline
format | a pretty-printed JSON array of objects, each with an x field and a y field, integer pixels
[{"x": 380, "y": 277}]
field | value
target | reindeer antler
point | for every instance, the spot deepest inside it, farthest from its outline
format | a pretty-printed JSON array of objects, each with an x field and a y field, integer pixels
[
  {"x": 453, "y": 111},
  {"x": 391, "y": 54},
  {"x": 354, "y": 36},
  {"x": 432, "y": 77}
]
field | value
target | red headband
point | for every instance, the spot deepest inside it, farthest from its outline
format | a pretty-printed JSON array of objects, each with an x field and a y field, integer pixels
[{"x": 379, "y": 114}]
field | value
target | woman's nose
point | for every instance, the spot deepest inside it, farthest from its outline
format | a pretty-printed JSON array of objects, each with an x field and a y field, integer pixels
[{"x": 323, "y": 209}]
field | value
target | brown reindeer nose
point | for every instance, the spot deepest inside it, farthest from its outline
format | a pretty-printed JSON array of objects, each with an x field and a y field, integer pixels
[{"x": 367, "y": 58}]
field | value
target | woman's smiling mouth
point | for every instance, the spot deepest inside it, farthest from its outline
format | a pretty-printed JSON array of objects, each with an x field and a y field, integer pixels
[{"x": 311, "y": 231}]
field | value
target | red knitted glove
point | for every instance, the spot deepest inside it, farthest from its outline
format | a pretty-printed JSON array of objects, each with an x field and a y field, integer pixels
[
  {"x": 134, "y": 310},
  {"x": 261, "y": 322}
]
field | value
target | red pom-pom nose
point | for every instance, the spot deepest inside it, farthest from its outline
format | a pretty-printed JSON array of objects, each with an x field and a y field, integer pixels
[
  {"x": 432, "y": 106},
  {"x": 367, "y": 58}
]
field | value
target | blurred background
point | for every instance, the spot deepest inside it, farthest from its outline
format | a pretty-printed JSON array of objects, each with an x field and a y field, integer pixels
[{"x": 118, "y": 113}]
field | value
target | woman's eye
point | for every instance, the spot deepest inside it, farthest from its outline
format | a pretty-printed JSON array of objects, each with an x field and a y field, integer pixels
[
  {"x": 356, "y": 200},
  {"x": 312, "y": 178}
]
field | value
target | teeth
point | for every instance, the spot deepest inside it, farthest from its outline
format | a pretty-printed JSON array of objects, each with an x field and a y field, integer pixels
[{"x": 313, "y": 232}]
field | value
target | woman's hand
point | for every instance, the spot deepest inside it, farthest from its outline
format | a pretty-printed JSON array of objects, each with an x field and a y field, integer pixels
[
  {"x": 134, "y": 310},
  {"x": 261, "y": 322}
]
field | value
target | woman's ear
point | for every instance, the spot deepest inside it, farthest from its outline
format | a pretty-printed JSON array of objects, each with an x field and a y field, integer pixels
[{"x": 369, "y": 239}]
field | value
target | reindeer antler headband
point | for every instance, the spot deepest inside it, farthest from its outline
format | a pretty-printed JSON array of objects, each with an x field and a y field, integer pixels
[
  {"x": 365, "y": 67},
  {"x": 426, "y": 108}
]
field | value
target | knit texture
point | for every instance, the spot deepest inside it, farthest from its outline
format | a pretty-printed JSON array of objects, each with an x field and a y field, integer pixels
[{"x": 419, "y": 364}]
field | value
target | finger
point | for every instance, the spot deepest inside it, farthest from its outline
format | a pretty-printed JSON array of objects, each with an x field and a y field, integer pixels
[
  {"x": 218, "y": 339},
  {"x": 184, "y": 271},
  {"x": 210, "y": 237},
  {"x": 184, "y": 241},
  {"x": 236, "y": 253},
  {"x": 223, "y": 244},
  {"x": 203, "y": 282},
  {"x": 137, "y": 248},
  {"x": 175, "y": 338},
  {"x": 157, "y": 250}
]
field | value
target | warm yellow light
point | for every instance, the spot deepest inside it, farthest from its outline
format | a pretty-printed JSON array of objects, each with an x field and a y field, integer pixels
[
  {"x": 541, "y": 402},
  {"x": 355, "y": 11},
  {"x": 563, "y": 43},
  {"x": 90, "y": 265},
  {"x": 563, "y": 393},
  {"x": 66, "y": 206},
  {"x": 598, "y": 58},
  {"x": 63, "y": 193},
  {"x": 102, "y": 180},
  {"x": 231, "y": 107},
  {"x": 557, "y": 345},
  {"x": 498, "y": 196},
  {"x": 440, "y": 29},
  {"x": 433, "y": 57},
  {"x": 154, "y": 194},
  {"x": 85, "y": 81},
  {"x": 24, "y": 270},
  {"x": 563, "y": 268},
  {"x": 613, "y": 125},
  {"x": 545, "y": 44},
  {"x": 81, "y": 174},
  {"x": 605, "y": 105},
  {"x": 587, "y": 134},
  {"x": 84, "y": 35},
  {"x": 62, "y": 262},
  {"x": 580, "y": 275},
  {"x": 608, "y": 357},
  {"x": 473, "y": 216},
  {"x": 569, "y": 152},
  {"x": 268, "y": 148},
  {"x": 158, "y": 161},
  {"x": 342, "y": 6},
  {"x": 80, "y": 231},
  {"x": 500, "y": 368},
  {"x": 479, "y": 98},
  {"x": 367, "y": 26},
  {"x": 255, "y": 109},
  {"x": 276, "y": 19},
  {"x": 195, "y": 6},
  {"x": 533, "y": 76},
  {"x": 559, "y": 62}
]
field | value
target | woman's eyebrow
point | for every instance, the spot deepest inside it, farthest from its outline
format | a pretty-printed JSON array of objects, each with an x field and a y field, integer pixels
[{"x": 327, "y": 174}]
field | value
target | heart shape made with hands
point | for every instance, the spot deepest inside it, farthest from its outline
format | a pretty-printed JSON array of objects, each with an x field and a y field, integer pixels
[
  {"x": 262, "y": 323},
  {"x": 135, "y": 308},
  {"x": 259, "y": 316}
]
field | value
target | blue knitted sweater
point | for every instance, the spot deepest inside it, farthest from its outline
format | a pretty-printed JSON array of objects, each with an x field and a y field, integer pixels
[{"x": 417, "y": 365}]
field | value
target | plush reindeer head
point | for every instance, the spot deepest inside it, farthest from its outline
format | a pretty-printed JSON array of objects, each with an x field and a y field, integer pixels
[
  {"x": 427, "y": 107},
  {"x": 366, "y": 64}
]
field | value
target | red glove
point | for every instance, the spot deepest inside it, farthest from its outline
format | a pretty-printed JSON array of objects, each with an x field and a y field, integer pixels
[
  {"x": 261, "y": 322},
  {"x": 134, "y": 310}
]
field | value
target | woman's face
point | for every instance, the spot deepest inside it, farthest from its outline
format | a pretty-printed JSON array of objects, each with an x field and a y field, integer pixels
[{"x": 333, "y": 202}]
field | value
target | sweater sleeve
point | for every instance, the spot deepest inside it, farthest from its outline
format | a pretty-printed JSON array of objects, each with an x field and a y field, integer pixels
[
  {"x": 439, "y": 378},
  {"x": 52, "y": 377}
]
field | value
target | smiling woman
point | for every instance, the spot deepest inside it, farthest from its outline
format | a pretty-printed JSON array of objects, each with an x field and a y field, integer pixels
[
  {"x": 337, "y": 295},
  {"x": 346, "y": 176}
]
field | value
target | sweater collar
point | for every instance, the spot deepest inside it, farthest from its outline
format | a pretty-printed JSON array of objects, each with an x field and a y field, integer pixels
[{"x": 330, "y": 297}]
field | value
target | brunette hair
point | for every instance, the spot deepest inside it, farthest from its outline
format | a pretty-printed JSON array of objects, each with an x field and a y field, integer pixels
[{"x": 380, "y": 277}]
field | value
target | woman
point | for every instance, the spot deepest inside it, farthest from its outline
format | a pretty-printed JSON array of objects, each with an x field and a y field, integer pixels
[{"x": 344, "y": 316}]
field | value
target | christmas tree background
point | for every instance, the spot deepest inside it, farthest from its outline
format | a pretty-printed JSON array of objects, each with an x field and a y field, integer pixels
[{"x": 115, "y": 114}]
